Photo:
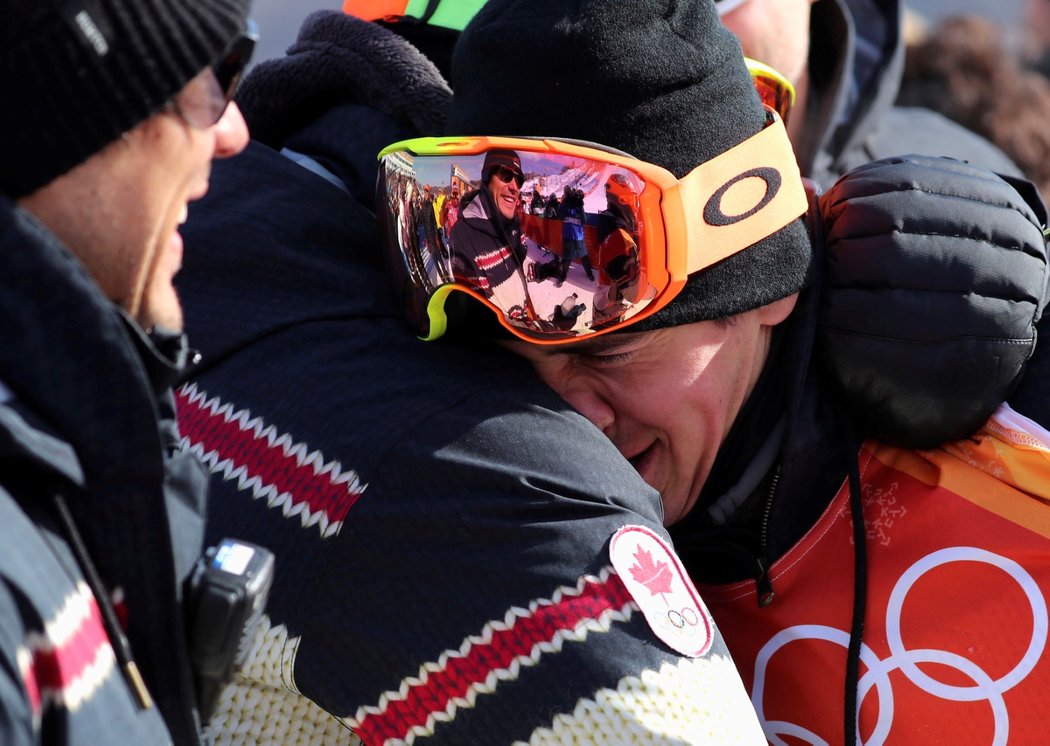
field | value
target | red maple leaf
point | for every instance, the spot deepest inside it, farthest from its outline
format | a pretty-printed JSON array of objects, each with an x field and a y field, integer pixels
[{"x": 656, "y": 576}]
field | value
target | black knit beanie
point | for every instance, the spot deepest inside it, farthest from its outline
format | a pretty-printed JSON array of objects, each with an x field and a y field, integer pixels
[
  {"x": 76, "y": 74},
  {"x": 661, "y": 80}
]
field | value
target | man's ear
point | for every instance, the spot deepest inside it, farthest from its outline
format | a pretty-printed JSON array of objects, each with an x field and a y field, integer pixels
[{"x": 774, "y": 313}]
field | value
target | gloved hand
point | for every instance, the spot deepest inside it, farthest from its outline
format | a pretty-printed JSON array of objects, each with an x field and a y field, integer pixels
[{"x": 934, "y": 278}]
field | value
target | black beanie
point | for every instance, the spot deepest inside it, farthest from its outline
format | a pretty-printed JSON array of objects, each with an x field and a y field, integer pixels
[
  {"x": 75, "y": 75},
  {"x": 663, "y": 81}
]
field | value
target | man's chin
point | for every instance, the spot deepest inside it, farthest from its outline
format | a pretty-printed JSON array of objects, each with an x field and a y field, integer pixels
[{"x": 169, "y": 317}]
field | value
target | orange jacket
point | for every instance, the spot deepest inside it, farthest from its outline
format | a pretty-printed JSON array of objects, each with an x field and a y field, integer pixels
[{"x": 955, "y": 637}]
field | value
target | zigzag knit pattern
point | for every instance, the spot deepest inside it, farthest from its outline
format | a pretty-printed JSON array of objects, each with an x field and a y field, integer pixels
[
  {"x": 521, "y": 638},
  {"x": 66, "y": 664},
  {"x": 267, "y": 463}
]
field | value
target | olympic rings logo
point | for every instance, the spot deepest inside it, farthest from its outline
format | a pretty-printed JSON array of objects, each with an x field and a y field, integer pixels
[
  {"x": 682, "y": 622},
  {"x": 682, "y": 618},
  {"x": 903, "y": 659}
]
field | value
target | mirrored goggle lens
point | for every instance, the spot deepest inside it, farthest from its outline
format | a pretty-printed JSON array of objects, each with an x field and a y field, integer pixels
[{"x": 563, "y": 255}]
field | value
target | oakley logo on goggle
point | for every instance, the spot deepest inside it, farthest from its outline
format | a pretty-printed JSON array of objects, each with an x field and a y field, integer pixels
[{"x": 713, "y": 213}]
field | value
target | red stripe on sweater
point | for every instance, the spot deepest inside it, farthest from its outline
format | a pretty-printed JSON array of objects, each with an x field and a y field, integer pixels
[
  {"x": 54, "y": 667},
  {"x": 248, "y": 448},
  {"x": 492, "y": 259},
  {"x": 461, "y": 672}
]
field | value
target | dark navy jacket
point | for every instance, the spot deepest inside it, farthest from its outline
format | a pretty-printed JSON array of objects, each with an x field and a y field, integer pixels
[{"x": 86, "y": 414}]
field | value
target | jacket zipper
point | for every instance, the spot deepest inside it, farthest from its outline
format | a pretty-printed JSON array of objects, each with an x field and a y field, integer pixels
[{"x": 763, "y": 583}]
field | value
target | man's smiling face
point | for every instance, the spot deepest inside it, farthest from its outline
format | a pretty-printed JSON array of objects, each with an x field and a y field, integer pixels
[{"x": 665, "y": 398}]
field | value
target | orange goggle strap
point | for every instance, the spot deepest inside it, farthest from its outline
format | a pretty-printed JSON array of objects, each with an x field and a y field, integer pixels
[{"x": 741, "y": 196}]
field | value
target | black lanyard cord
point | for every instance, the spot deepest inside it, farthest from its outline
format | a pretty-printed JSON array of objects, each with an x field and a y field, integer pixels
[{"x": 117, "y": 638}]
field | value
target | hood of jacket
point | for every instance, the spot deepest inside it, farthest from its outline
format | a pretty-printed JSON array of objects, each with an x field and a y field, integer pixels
[
  {"x": 477, "y": 209},
  {"x": 855, "y": 64}
]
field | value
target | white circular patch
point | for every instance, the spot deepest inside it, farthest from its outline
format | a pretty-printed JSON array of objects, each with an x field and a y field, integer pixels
[{"x": 658, "y": 583}]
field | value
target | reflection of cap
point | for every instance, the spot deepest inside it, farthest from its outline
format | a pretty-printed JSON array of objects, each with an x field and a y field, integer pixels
[
  {"x": 682, "y": 95},
  {"x": 500, "y": 158}
]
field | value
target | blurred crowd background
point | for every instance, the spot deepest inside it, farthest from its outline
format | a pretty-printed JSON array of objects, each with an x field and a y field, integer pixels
[
  {"x": 280, "y": 19},
  {"x": 984, "y": 64}
]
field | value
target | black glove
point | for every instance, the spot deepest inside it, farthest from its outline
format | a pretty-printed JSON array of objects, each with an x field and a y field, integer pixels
[{"x": 934, "y": 279}]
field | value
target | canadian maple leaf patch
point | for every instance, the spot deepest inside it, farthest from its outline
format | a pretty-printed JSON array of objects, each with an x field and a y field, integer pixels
[
  {"x": 656, "y": 576},
  {"x": 649, "y": 568}
]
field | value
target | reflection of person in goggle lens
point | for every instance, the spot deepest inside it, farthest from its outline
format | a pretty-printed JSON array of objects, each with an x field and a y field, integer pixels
[{"x": 485, "y": 242}]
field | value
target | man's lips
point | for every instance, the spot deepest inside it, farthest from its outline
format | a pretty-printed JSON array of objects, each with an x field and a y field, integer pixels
[{"x": 642, "y": 460}]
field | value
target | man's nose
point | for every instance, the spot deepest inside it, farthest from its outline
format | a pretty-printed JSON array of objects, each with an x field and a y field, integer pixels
[
  {"x": 589, "y": 402},
  {"x": 231, "y": 132}
]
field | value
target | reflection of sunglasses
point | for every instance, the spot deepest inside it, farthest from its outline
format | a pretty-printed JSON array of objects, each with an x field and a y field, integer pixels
[
  {"x": 507, "y": 175},
  {"x": 202, "y": 102},
  {"x": 681, "y": 227}
]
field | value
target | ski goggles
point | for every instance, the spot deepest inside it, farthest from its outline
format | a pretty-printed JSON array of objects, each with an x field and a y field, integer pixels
[{"x": 577, "y": 240}]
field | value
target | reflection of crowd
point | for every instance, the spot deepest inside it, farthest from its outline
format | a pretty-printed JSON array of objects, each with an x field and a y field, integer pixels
[
  {"x": 613, "y": 246},
  {"x": 425, "y": 216},
  {"x": 478, "y": 239},
  {"x": 573, "y": 245}
]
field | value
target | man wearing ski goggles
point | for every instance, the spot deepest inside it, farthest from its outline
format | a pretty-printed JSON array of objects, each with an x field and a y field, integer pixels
[{"x": 677, "y": 227}]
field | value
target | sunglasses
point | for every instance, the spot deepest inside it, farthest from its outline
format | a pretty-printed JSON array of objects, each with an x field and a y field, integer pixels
[
  {"x": 507, "y": 175},
  {"x": 202, "y": 102}
]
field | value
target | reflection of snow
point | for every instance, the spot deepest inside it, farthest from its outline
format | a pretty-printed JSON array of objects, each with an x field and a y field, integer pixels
[
  {"x": 588, "y": 176},
  {"x": 546, "y": 296}
]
